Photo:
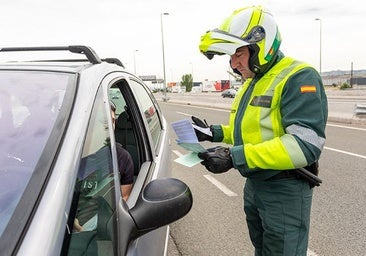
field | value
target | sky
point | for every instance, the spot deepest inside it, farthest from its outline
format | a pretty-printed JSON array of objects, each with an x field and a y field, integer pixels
[{"x": 131, "y": 31}]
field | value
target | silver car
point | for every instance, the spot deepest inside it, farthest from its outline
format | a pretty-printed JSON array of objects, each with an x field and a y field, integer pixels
[
  {"x": 58, "y": 162},
  {"x": 229, "y": 93}
]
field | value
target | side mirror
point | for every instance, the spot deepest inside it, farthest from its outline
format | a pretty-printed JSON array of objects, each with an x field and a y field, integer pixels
[{"x": 162, "y": 202}]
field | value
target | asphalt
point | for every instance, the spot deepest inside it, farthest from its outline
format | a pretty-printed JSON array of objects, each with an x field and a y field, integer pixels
[{"x": 342, "y": 104}]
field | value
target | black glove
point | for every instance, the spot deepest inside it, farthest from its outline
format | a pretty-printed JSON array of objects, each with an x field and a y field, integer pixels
[
  {"x": 200, "y": 135},
  {"x": 217, "y": 159}
]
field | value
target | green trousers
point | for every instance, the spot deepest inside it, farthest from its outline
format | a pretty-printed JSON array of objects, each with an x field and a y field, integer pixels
[{"x": 278, "y": 216}]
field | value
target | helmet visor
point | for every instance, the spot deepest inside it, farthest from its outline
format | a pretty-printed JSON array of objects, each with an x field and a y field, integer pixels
[
  {"x": 219, "y": 42},
  {"x": 211, "y": 54}
]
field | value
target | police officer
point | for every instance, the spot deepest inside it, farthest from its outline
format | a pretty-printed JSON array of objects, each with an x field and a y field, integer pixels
[{"x": 276, "y": 126}]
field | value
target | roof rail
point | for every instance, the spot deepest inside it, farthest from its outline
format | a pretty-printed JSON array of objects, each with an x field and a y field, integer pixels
[
  {"x": 89, "y": 52},
  {"x": 114, "y": 61}
]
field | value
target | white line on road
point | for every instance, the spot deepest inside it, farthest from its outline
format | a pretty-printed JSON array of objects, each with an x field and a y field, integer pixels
[
  {"x": 347, "y": 127},
  {"x": 184, "y": 114},
  {"x": 219, "y": 185},
  {"x": 179, "y": 154},
  {"x": 208, "y": 108},
  {"x": 345, "y": 152},
  {"x": 311, "y": 253}
]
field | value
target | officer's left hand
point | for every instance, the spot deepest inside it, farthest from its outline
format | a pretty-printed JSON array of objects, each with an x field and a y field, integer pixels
[
  {"x": 201, "y": 136},
  {"x": 217, "y": 159}
]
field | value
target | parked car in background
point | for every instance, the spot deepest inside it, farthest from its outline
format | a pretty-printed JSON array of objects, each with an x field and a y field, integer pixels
[
  {"x": 228, "y": 93},
  {"x": 58, "y": 160}
]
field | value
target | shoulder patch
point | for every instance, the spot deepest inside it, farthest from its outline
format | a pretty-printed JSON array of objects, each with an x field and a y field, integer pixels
[{"x": 307, "y": 88}]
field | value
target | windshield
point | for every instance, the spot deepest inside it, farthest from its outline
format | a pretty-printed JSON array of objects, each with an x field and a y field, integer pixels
[{"x": 29, "y": 105}]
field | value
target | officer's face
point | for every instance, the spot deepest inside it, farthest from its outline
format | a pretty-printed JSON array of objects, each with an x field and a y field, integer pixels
[{"x": 240, "y": 61}]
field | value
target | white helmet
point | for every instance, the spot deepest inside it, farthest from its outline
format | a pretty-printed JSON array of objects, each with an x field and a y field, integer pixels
[{"x": 252, "y": 26}]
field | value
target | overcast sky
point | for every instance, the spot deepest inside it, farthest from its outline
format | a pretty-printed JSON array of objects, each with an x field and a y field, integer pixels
[{"x": 131, "y": 31}]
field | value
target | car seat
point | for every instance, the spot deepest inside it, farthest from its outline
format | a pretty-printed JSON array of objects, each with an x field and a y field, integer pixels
[{"x": 124, "y": 134}]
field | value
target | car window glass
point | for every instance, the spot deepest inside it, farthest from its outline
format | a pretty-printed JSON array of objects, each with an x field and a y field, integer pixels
[
  {"x": 149, "y": 109},
  {"x": 30, "y": 103},
  {"x": 125, "y": 131},
  {"x": 93, "y": 226},
  {"x": 116, "y": 97}
]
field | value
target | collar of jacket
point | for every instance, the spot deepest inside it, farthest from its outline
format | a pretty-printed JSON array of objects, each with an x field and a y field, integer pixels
[{"x": 279, "y": 56}]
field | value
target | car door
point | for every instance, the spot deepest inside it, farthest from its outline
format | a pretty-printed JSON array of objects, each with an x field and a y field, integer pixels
[
  {"x": 145, "y": 137},
  {"x": 97, "y": 212},
  {"x": 160, "y": 166},
  {"x": 92, "y": 217}
]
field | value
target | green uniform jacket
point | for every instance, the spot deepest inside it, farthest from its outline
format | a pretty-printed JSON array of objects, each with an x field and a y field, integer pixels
[{"x": 277, "y": 121}]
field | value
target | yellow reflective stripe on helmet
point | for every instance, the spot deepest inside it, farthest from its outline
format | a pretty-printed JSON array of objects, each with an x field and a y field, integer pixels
[
  {"x": 225, "y": 26},
  {"x": 247, "y": 26},
  {"x": 255, "y": 20},
  {"x": 206, "y": 42}
]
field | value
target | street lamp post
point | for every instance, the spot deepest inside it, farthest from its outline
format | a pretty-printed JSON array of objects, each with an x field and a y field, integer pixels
[
  {"x": 162, "y": 44},
  {"x": 191, "y": 69},
  {"x": 134, "y": 61},
  {"x": 320, "y": 45}
]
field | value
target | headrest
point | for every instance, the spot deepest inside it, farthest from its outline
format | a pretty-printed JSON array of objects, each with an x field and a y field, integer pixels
[{"x": 123, "y": 121}]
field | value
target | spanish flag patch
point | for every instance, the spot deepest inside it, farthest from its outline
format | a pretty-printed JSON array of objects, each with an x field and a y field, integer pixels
[{"x": 308, "y": 88}]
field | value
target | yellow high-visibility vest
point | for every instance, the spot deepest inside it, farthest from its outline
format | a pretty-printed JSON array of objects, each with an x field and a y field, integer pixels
[{"x": 261, "y": 128}]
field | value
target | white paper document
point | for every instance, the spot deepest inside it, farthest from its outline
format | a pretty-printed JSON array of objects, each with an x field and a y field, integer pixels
[
  {"x": 189, "y": 160},
  {"x": 184, "y": 131},
  {"x": 187, "y": 139}
]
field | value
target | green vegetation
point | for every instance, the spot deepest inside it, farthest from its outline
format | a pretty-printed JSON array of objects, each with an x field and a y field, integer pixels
[
  {"x": 187, "y": 82},
  {"x": 345, "y": 86}
]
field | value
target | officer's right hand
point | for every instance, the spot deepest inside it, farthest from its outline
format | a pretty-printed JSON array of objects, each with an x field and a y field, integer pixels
[
  {"x": 204, "y": 132},
  {"x": 217, "y": 159}
]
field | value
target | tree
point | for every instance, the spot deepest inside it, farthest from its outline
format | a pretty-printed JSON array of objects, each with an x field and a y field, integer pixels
[{"x": 187, "y": 81}]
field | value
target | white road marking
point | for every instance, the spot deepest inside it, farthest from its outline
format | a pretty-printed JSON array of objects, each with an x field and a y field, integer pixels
[
  {"x": 179, "y": 154},
  {"x": 346, "y": 127},
  {"x": 311, "y": 253},
  {"x": 184, "y": 114},
  {"x": 345, "y": 152},
  {"x": 208, "y": 108},
  {"x": 219, "y": 185}
]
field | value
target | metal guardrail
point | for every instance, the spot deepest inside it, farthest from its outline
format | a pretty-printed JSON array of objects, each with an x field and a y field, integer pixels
[{"x": 360, "y": 110}]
